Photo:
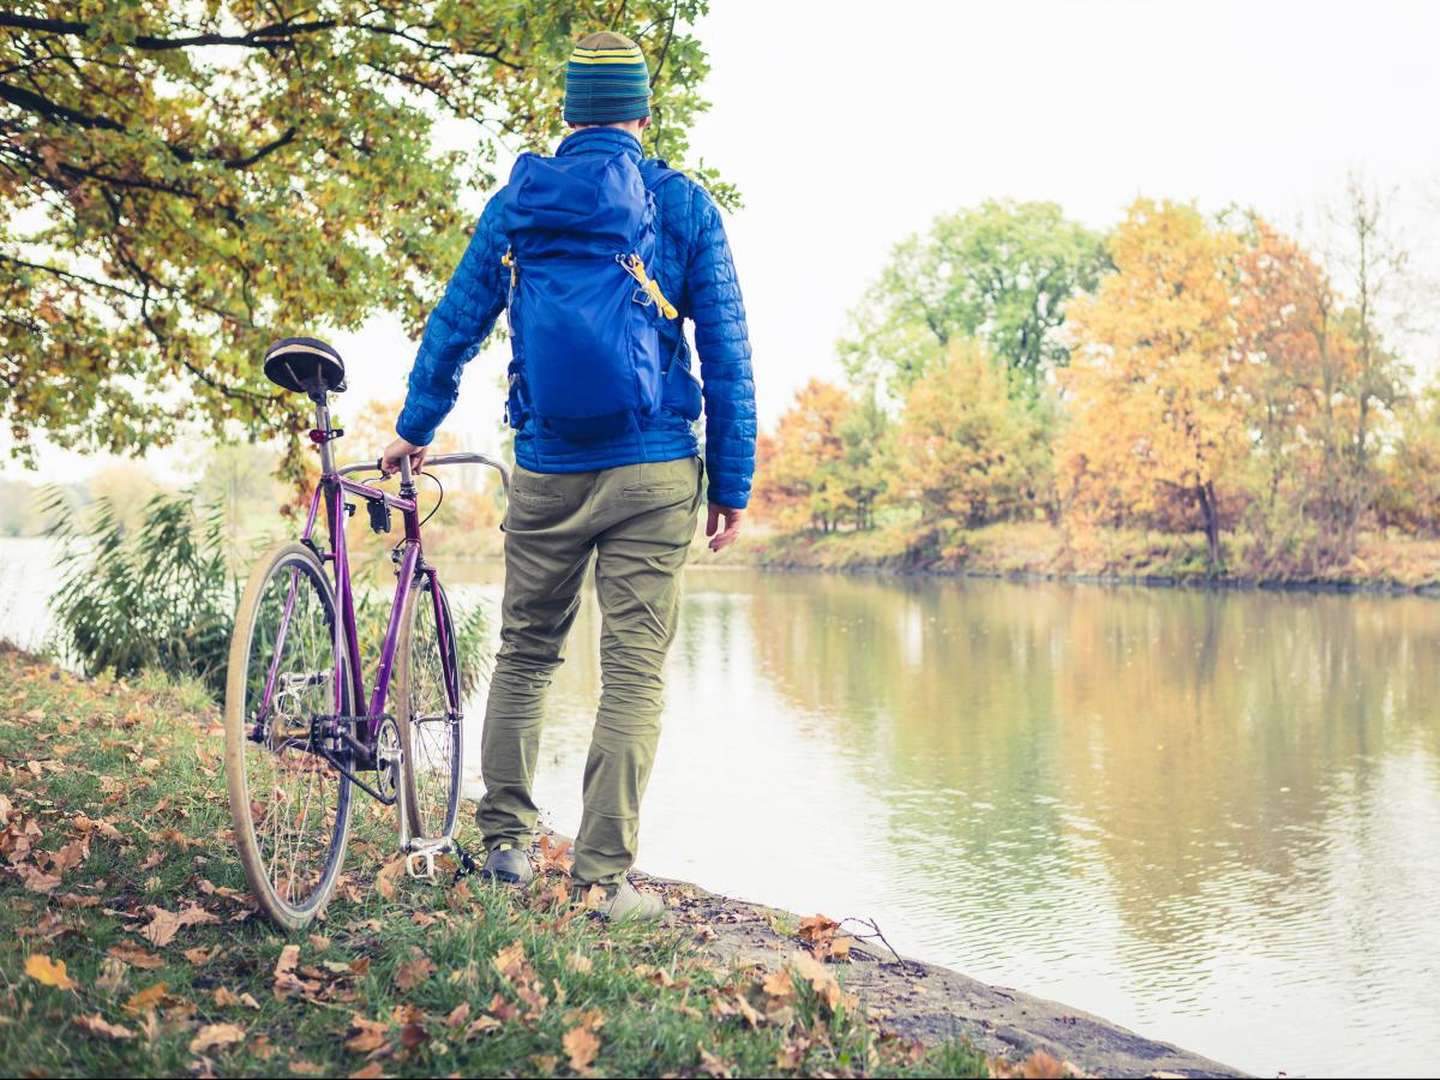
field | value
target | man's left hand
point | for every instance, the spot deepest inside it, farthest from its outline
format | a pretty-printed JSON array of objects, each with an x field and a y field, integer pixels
[{"x": 723, "y": 538}]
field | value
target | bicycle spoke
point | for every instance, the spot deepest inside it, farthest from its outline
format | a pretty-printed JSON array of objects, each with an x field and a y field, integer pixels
[{"x": 295, "y": 795}]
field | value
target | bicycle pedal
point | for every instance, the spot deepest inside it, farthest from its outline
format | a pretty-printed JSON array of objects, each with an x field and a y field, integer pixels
[{"x": 423, "y": 859}]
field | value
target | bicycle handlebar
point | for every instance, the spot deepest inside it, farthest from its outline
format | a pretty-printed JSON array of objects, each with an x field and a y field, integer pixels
[{"x": 438, "y": 459}]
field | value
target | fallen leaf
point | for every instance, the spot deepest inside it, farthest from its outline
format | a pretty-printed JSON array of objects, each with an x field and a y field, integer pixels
[
  {"x": 510, "y": 961},
  {"x": 579, "y": 964},
  {"x": 146, "y": 1000},
  {"x": 779, "y": 984},
  {"x": 212, "y": 1036},
  {"x": 555, "y": 856},
  {"x": 71, "y": 855},
  {"x": 369, "y": 1035},
  {"x": 135, "y": 956},
  {"x": 388, "y": 875},
  {"x": 98, "y": 1025},
  {"x": 582, "y": 1045},
  {"x": 36, "y": 880},
  {"x": 48, "y": 972},
  {"x": 458, "y": 1015},
  {"x": 482, "y": 1024},
  {"x": 711, "y": 1065},
  {"x": 373, "y": 1071},
  {"x": 414, "y": 972}
]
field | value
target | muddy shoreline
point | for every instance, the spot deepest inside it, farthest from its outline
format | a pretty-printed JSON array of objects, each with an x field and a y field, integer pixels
[{"x": 931, "y": 1003}]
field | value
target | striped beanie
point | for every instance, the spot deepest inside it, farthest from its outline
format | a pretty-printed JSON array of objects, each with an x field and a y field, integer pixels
[{"x": 606, "y": 81}]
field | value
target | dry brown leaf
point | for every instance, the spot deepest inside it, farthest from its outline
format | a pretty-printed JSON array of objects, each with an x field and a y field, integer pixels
[
  {"x": 389, "y": 874},
  {"x": 779, "y": 984},
  {"x": 48, "y": 972},
  {"x": 135, "y": 956},
  {"x": 36, "y": 880},
  {"x": 555, "y": 856},
  {"x": 579, "y": 964},
  {"x": 373, "y": 1071},
  {"x": 369, "y": 1035},
  {"x": 98, "y": 1025},
  {"x": 289, "y": 957},
  {"x": 1038, "y": 1066},
  {"x": 582, "y": 1045},
  {"x": 414, "y": 971},
  {"x": 510, "y": 961},
  {"x": 482, "y": 1024},
  {"x": 458, "y": 1015},
  {"x": 711, "y": 1065},
  {"x": 70, "y": 856},
  {"x": 214, "y": 1036}
]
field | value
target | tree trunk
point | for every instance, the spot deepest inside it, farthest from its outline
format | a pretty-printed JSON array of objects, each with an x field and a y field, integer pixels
[{"x": 1206, "y": 494}]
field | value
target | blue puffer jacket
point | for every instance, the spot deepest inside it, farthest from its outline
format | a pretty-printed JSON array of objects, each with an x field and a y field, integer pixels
[{"x": 695, "y": 270}]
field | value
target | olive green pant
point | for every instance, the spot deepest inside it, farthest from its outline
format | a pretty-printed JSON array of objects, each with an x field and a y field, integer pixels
[{"x": 637, "y": 521}]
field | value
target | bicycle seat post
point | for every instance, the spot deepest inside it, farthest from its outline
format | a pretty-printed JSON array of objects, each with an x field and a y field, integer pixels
[{"x": 322, "y": 426}]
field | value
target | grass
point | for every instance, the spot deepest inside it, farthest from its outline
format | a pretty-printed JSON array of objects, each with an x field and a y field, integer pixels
[
  {"x": 1009, "y": 549},
  {"x": 114, "y": 807}
]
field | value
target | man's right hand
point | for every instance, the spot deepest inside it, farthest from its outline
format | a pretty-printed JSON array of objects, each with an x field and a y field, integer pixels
[{"x": 397, "y": 451}]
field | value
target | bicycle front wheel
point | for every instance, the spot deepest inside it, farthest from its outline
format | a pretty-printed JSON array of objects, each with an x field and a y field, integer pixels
[
  {"x": 286, "y": 695},
  {"x": 427, "y": 713}
]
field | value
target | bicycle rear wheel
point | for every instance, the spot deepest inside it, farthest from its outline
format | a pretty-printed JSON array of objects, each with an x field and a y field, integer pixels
[
  {"x": 429, "y": 718},
  {"x": 286, "y": 682}
]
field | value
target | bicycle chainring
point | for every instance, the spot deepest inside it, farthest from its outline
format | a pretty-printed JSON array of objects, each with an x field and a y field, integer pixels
[{"x": 388, "y": 757}]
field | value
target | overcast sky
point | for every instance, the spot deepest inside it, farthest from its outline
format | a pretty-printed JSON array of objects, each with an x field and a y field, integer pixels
[{"x": 848, "y": 126}]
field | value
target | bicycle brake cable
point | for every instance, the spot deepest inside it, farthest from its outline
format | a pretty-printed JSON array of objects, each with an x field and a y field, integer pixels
[{"x": 438, "y": 501}]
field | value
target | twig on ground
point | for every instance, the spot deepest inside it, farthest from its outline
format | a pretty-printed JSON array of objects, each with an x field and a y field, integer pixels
[{"x": 906, "y": 967}]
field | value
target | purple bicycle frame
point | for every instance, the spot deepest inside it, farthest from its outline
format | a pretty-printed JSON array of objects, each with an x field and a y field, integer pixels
[{"x": 331, "y": 493}]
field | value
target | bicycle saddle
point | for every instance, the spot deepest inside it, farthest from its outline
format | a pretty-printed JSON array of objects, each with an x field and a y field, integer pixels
[{"x": 306, "y": 365}]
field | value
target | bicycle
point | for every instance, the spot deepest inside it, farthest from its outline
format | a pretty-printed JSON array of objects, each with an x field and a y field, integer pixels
[{"x": 295, "y": 745}]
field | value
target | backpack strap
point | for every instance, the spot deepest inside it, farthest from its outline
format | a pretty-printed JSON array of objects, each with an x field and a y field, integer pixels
[{"x": 656, "y": 171}]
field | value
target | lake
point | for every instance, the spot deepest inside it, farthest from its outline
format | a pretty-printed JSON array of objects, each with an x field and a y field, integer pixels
[{"x": 1212, "y": 817}]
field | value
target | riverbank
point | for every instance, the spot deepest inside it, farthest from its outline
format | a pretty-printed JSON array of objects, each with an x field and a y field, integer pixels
[
  {"x": 130, "y": 946},
  {"x": 1038, "y": 551}
]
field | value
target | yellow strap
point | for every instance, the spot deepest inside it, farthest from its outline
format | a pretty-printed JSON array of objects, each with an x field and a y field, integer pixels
[{"x": 636, "y": 268}]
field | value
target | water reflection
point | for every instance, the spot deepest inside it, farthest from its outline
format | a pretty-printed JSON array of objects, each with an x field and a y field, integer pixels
[{"x": 1213, "y": 817}]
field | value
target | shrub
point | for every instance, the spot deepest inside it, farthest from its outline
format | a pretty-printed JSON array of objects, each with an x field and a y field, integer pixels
[{"x": 157, "y": 596}]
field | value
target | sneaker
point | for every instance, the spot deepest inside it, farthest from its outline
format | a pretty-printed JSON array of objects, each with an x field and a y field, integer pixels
[
  {"x": 624, "y": 903},
  {"x": 507, "y": 865}
]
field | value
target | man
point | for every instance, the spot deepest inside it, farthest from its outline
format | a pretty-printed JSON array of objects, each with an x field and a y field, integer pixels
[{"x": 628, "y": 497}]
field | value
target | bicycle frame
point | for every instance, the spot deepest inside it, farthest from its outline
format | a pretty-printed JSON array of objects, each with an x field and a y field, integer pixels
[{"x": 331, "y": 493}]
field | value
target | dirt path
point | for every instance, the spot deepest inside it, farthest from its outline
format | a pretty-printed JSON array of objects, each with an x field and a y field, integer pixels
[{"x": 932, "y": 1003}]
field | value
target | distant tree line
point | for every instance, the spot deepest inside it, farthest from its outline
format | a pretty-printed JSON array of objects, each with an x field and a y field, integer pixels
[{"x": 1182, "y": 374}]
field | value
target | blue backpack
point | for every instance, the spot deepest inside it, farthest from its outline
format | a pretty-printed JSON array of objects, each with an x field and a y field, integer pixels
[{"x": 584, "y": 315}]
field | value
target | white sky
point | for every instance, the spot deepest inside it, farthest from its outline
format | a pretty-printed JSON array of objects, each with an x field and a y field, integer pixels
[{"x": 849, "y": 126}]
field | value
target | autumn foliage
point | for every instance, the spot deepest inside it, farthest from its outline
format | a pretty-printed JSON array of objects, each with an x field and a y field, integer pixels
[{"x": 1218, "y": 379}]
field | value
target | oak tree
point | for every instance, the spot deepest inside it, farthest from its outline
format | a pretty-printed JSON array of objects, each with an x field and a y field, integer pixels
[{"x": 182, "y": 182}]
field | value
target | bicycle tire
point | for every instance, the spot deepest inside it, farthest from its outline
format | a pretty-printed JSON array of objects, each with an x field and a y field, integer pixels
[
  {"x": 430, "y": 723},
  {"x": 246, "y": 683}
]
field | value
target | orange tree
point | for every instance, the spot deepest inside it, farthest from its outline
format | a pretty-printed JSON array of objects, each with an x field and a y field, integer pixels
[
  {"x": 799, "y": 478},
  {"x": 181, "y": 182},
  {"x": 1158, "y": 410}
]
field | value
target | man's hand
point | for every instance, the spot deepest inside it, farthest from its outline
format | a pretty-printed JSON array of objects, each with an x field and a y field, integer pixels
[
  {"x": 397, "y": 451},
  {"x": 724, "y": 538}
]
